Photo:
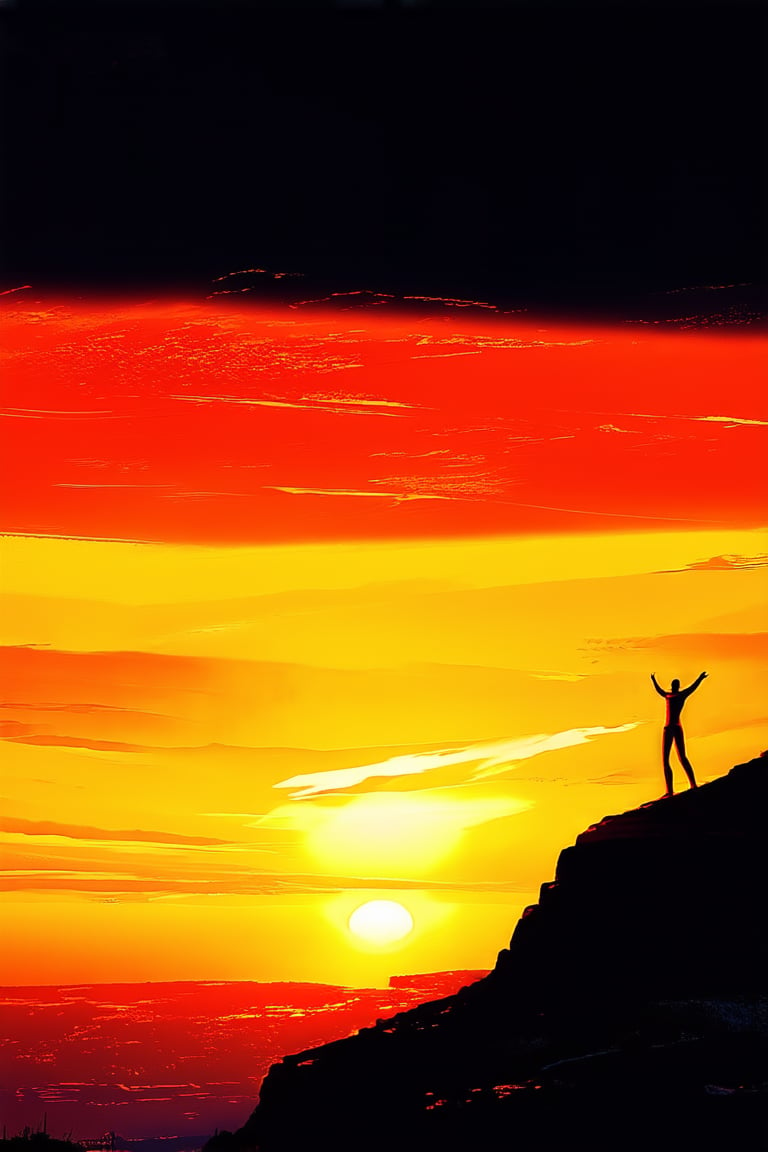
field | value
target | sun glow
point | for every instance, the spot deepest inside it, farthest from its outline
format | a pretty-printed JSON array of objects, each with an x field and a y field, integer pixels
[
  {"x": 398, "y": 833},
  {"x": 387, "y": 831},
  {"x": 381, "y": 922}
]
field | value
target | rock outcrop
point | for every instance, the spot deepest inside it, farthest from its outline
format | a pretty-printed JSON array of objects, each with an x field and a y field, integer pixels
[{"x": 627, "y": 1012}]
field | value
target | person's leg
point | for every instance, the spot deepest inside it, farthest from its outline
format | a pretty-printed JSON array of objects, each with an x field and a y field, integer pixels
[
  {"x": 666, "y": 748},
  {"x": 680, "y": 746}
]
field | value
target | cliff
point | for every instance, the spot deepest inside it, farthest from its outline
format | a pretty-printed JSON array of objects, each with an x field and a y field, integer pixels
[{"x": 627, "y": 1011}]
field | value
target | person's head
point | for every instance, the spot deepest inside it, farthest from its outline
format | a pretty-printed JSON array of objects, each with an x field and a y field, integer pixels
[{"x": 675, "y": 685}]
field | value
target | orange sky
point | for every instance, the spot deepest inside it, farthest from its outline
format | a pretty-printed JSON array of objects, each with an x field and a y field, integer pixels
[{"x": 302, "y": 609}]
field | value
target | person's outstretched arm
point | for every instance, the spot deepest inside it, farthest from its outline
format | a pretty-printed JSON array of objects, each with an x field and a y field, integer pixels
[
  {"x": 660, "y": 691},
  {"x": 692, "y": 687}
]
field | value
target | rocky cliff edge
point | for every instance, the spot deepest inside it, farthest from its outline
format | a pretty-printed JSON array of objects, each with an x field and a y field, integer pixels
[{"x": 627, "y": 1012}]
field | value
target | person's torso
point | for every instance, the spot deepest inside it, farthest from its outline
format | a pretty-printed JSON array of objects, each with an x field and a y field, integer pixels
[{"x": 675, "y": 701}]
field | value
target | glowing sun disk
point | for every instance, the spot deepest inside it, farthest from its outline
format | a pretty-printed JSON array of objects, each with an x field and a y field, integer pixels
[{"x": 381, "y": 922}]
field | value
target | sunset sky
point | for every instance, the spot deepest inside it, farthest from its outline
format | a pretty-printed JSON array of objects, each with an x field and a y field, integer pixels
[
  {"x": 382, "y": 403},
  {"x": 305, "y": 606}
]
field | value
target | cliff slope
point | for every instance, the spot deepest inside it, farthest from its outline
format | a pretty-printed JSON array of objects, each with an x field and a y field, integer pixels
[{"x": 627, "y": 1011}]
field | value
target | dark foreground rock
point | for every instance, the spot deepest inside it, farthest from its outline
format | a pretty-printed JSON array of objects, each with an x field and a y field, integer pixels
[{"x": 627, "y": 1013}]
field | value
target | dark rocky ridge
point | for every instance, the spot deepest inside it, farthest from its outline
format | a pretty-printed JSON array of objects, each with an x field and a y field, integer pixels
[{"x": 628, "y": 1011}]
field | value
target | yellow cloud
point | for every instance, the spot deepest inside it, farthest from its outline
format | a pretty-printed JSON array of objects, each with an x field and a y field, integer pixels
[{"x": 491, "y": 758}]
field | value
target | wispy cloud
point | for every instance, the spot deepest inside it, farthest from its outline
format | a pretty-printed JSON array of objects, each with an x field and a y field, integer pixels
[
  {"x": 496, "y": 342},
  {"x": 132, "y": 888},
  {"x": 731, "y": 420},
  {"x": 84, "y": 708},
  {"x": 459, "y": 485},
  {"x": 53, "y": 741},
  {"x": 358, "y": 402},
  {"x": 63, "y": 484},
  {"x": 454, "y": 301},
  {"x": 340, "y": 405},
  {"x": 614, "y": 515},
  {"x": 398, "y": 496},
  {"x": 49, "y": 414},
  {"x": 86, "y": 832},
  {"x": 726, "y": 563},
  {"x": 623, "y": 431},
  {"x": 445, "y": 355},
  {"x": 490, "y": 759},
  {"x": 415, "y": 455}
]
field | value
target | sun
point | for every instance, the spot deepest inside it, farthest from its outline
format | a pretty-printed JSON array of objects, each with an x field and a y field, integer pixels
[{"x": 380, "y": 922}]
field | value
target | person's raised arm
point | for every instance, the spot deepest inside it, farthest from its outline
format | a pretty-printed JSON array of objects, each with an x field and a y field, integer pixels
[
  {"x": 692, "y": 687},
  {"x": 660, "y": 691}
]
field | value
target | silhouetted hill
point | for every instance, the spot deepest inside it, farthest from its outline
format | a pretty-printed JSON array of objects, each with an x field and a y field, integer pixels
[
  {"x": 29, "y": 1141},
  {"x": 627, "y": 1012}
]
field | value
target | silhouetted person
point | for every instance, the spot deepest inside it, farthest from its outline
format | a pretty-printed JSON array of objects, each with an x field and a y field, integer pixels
[{"x": 673, "y": 729}]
